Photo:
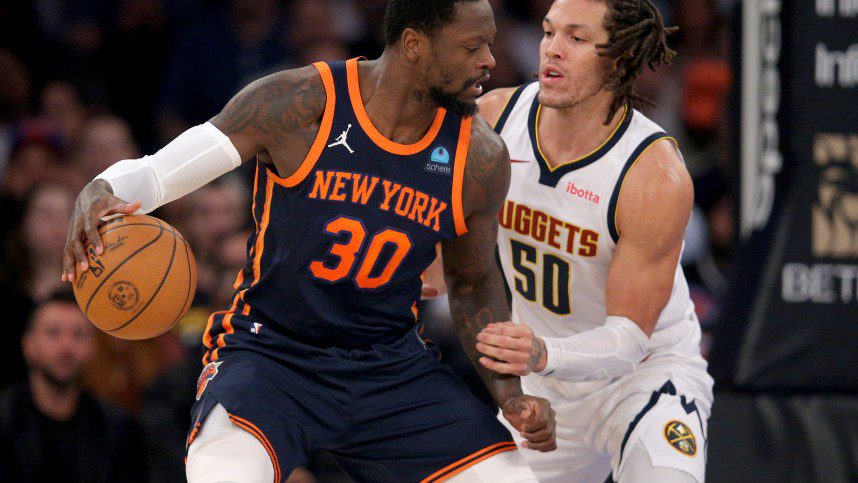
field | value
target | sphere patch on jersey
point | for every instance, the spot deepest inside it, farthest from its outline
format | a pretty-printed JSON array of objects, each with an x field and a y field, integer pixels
[
  {"x": 680, "y": 437},
  {"x": 440, "y": 155}
]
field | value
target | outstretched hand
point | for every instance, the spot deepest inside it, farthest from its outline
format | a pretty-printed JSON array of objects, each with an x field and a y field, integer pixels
[
  {"x": 94, "y": 202},
  {"x": 534, "y": 419},
  {"x": 511, "y": 349}
]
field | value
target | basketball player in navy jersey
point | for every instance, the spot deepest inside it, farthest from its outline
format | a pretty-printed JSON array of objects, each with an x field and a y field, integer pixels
[{"x": 362, "y": 168}]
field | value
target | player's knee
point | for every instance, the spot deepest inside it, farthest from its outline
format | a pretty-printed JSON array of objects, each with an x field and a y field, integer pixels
[
  {"x": 639, "y": 468},
  {"x": 507, "y": 467},
  {"x": 224, "y": 453}
]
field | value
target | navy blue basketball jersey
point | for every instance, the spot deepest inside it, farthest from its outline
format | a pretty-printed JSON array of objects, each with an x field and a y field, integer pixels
[{"x": 340, "y": 245}]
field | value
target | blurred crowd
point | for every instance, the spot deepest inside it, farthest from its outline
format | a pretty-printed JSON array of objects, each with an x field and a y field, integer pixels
[{"x": 85, "y": 83}]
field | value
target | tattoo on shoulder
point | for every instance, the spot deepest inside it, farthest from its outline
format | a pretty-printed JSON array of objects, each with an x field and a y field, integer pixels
[
  {"x": 277, "y": 106},
  {"x": 487, "y": 173}
]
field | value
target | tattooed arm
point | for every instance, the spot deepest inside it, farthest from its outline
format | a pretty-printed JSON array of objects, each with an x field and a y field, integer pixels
[
  {"x": 276, "y": 117},
  {"x": 475, "y": 286}
]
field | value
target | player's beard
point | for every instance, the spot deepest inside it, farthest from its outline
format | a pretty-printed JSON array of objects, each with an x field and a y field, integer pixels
[
  {"x": 451, "y": 102},
  {"x": 576, "y": 92}
]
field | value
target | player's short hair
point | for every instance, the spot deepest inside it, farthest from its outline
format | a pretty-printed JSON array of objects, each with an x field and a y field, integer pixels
[
  {"x": 637, "y": 39},
  {"x": 427, "y": 16}
]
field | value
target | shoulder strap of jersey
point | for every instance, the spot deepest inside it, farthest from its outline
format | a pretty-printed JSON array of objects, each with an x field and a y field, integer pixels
[
  {"x": 321, "y": 136},
  {"x": 507, "y": 109},
  {"x": 615, "y": 195},
  {"x": 459, "y": 164}
]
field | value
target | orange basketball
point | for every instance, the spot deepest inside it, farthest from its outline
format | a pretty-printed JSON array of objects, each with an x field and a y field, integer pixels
[{"x": 144, "y": 281}]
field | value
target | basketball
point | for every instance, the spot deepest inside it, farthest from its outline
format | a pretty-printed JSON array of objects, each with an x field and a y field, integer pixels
[{"x": 144, "y": 281}]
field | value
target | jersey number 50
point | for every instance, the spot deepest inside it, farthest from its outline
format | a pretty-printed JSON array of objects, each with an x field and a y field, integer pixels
[
  {"x": 554, "y": 289},
  {"x": 347, "y": 254}
]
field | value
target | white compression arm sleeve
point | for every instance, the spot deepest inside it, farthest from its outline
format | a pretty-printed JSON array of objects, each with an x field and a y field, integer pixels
[
  {"x": 612, "y": 350},
  {"x": 197, "y": 156}
]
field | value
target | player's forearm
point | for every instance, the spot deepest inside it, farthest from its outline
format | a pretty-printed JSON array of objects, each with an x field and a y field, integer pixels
[
  {"x": 473, "y": 306},
  {"x": 196, "y": 157},
  {"x": 612, "y": 350}
]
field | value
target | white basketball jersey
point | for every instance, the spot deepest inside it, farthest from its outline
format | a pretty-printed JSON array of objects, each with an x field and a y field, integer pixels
[{"x": 558, "y": 230}]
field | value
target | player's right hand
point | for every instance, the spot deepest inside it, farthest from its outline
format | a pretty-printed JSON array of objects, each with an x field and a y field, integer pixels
[
  {"x": 94, "y": 202},
  {"x": 534, "y": 419}
]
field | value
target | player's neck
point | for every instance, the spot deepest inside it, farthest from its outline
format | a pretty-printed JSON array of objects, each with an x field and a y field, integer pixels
[
  {"x": 58, "y": 403},
  {"x": 388, "y": 93},
  {"x": 573, "y": 132}
]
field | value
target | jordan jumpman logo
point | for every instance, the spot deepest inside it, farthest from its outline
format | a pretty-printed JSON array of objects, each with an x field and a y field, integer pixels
[{"x": 342, "y": 140}]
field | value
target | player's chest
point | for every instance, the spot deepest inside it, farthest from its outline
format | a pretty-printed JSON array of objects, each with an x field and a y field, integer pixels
[
  {"x": 568, "y": 219},
  {"x": 580, "y": 196}
]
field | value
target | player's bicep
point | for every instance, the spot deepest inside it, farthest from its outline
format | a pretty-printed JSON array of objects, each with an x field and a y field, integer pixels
[
  {"x": 487, "y": 177},
  {"x": 469, "y": 258},
  {"x": 652, "y": 213},
  {"x": 266, "y": 110}
]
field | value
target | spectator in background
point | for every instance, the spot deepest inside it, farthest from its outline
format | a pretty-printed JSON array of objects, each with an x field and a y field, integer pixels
[
  {"x": 15, "y": 92},
  {"x": 41, "y": 239},
  {"x": 62, "y": 107},
  {"x": 122, "y": 370},
  {"x": 51, "y": 429},
  {"x": 104, "y": 140},
  {"x": 369, "y": 40},
  {"x": 37, "y": 156},
  {"x": 316, "y": 13},
  {"x": 506, "y": 72},
  {"x": 224, "y": 50},
  {"x": 136, "y": 49},
  {"x": 28, "y": 273},
  {"x": 216, "y": 211}
]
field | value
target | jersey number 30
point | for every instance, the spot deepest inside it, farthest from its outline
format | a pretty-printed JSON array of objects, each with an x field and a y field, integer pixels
[
  {"x": 555, "y": 278},
  {"x": 347, "y": 254}
]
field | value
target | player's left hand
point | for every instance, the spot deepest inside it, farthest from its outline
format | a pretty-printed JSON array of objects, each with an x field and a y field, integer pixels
[
  {"x": 534, "y": 419},
  {"x": 511, "y": 349}
]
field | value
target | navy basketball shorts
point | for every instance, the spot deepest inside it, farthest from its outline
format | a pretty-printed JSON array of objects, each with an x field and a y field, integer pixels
[{"x": 387, "y": 412}]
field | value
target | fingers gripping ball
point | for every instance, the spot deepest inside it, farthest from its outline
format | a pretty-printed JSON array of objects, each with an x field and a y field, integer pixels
[{"x": 144, "y": 281}]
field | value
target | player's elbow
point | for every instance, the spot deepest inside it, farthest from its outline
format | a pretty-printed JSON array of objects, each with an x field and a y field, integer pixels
[{"x": 468, "y": 283}]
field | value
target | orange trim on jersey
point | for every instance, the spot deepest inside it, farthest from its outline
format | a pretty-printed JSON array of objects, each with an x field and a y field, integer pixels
[
  {"x": 210, "y": 355},
  {"x": 459, "y": 175},
  {"x": 239, "y": 279},
  {"x": 207, "y": 337},
  {"x": 260, "y": 238},
  {"x": 221, "y": 339},
  {"x": 468, "y": 461},
  {"x": 193, "y": 435},
  {"x": 259, "y": 247},
  {"x": 259, "y": 435},
  {"x": 415, "y": 311},
  {"x": 372, "y": 132},
  {"x": 321, "y": 136}
]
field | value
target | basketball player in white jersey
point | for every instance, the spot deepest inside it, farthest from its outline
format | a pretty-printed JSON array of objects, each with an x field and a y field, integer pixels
[{"x": 590, "y": 241}]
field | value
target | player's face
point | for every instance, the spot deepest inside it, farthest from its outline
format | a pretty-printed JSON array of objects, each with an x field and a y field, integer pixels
[
  {"x": 460, "y": 58},
  {"x": 60, "y": 344},
  {"x": 571, "y": 69}
]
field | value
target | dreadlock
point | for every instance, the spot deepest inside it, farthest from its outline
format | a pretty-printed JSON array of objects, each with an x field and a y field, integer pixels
[{"x": 638, "y": 38}]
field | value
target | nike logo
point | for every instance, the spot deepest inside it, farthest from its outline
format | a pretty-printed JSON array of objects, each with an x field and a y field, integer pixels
[{"x": 518, "y": 161}]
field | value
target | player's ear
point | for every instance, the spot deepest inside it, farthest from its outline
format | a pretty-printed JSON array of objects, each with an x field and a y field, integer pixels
[{"x": 413, "y": 43}]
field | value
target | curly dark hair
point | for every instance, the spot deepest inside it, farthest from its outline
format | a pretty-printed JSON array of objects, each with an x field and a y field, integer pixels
[
  {"x": 427, "y": 16},
  {"x": 638, "y": 39}
]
